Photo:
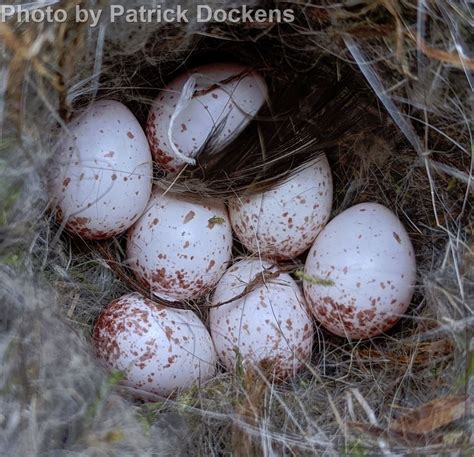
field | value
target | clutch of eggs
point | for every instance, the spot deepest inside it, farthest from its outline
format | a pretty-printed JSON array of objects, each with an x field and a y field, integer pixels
[
  {"x": 218, "y": 99},
  {"x": 103, "y": 172},
  {"x": 179, "y": 249},
  {"x": 360, "y": 272},
  {"x": 283, "y": 222},
  {"x": 268, "y": 324},
  {"x": 157, "y": 349}
]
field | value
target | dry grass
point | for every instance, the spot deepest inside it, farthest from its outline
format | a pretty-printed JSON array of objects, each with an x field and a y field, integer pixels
[{"x": 405, "y": 393}]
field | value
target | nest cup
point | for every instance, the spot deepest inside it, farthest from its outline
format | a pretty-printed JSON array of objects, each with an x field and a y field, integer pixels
[{"x": 376, "y": 87}]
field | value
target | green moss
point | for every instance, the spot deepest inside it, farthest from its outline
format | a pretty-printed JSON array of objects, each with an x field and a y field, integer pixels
[
  {"x": 147, "y": 414},
  {"x": 114, "y": 379},
  {"x": 187, "y": 398},
  {"x": 216, "y": 220},
  {"x": 114, "y": 436},
  {"x": 300, "y": 274},
  {"x": 8, "y": 197},
  {"x": 239, "y": 366},
  {"x": 468, "y": 375},
  {"x": 355, "y": 449}
]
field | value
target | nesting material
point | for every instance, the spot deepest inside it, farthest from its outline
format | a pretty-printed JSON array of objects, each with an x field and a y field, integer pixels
[{"x": 384, "y": 89}]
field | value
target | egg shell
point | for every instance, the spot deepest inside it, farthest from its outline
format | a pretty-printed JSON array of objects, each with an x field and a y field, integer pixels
[
  {"x": 158, "y": 349},
  {"x": 103, "y": 174},
  {"x": 226, "y": 98},
  {"x": 270, "y": 324},
  {"x": 282, "y": 223},
  {"x": 360, "y": 272},
  {"x": 179, "y": 249}
]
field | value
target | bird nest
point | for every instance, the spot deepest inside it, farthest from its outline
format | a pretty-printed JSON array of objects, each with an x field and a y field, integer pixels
[{"x": 385, "y": 90}]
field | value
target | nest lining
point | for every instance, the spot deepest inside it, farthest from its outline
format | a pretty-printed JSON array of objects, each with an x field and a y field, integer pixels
[{"x": 349, "y": 398}]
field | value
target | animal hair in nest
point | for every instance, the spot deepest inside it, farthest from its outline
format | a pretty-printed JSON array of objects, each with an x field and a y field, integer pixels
[{"x": 379, "y": 88}]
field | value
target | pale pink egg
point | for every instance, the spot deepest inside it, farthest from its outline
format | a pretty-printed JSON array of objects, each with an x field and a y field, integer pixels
[
  {"x": 283, "y": 222},
  {"x": 103, "y": 172},
  {"x": 268, "y": 325},
  {"x": 179, "y": 249},
  {"x": 216, "y": 100},
  {"x": 360, "y": 272},
  {"x": 158, "y": 349}
]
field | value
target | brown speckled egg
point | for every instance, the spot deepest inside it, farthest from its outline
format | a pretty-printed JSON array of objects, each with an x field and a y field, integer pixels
[
  {"x": 179, "y": 249},
  {"x": 102, "y": 176},
  {"x": 157, "y": 349},
  {"x": 222, "y": 99},
  {"x": 360, "y": 272},
  {"x": 268, "y": 325},
  {"x": 282, "y": 223}
]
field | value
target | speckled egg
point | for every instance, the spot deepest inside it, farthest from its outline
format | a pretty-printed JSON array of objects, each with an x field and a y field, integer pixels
[
  {"x": 218, "y": 99},
  {"x": 263, "y": 317},
  {"x": 179, "y": 249},
  {"x": 360, "y": 272},
  {"x": 283, "y": 222},
  {"x": 157, "y": 349},
  {"x": 102, "y": 176}
]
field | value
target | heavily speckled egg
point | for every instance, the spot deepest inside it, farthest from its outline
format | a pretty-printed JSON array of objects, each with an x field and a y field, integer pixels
[
  {"x": 360, "y": 272},
  {"x": 217, "y": 99},
  {"x": 102, "y": 177},
  {"x": 283, "y": 222},
  {"x": 157, "y": 349},
  {"x": 268, "y": 325},
  {"x": 179, "y": 249}
]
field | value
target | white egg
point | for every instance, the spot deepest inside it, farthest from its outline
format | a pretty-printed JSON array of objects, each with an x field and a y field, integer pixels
[
  {"x": 360, "y": 272},
  {"x": 179, "y": 249},
  {"x": 283, "y": 222},
  {"x": 157, "y": 349},
  {"x": 269, "y": 325},
  {"x": 217, "y": 99},
  {"x": 103, "y": 174}
]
